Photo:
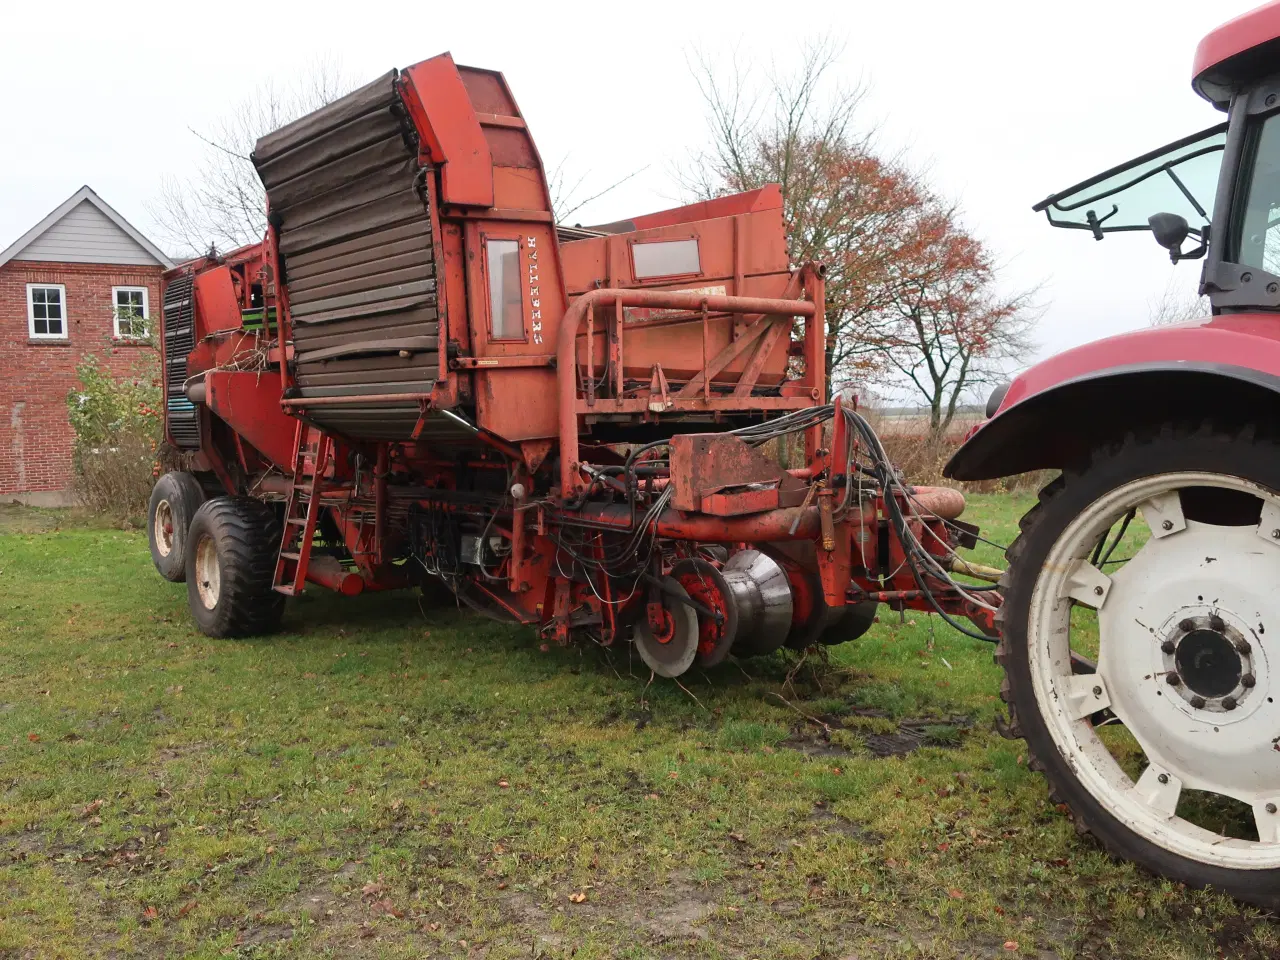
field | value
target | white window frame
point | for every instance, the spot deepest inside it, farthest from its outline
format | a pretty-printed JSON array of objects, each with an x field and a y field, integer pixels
[
  {"x": 115, "y": 313},
  {"x": 31, "y": 311}
]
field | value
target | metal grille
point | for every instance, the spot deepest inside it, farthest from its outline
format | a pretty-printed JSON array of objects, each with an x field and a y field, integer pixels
[
  {"x": 181, "y": 416},
  {"x": 355, "y": 242}
]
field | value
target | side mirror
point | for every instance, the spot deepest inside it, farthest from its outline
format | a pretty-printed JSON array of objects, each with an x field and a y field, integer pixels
[{"x": 1170, "y": 230}]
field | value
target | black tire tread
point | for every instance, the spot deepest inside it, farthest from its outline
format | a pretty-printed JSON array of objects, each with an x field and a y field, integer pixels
[
  {"x": 185, "y": 495},
  {"x": 248, "y": 534}
]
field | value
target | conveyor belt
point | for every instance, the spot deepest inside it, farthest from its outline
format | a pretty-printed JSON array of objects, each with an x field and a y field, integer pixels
[
  {"x": 354, "y": 235},
  {"x": 179, "y": 340}
]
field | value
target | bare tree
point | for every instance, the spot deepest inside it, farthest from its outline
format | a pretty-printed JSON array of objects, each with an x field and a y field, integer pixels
[
  {"x": 221, "y": 202},
  {"x": 843, "y": 205},
  {"x": 948, "y": 328},
  {"x": 1177, "y": 305},
  {"x": 910, "y": 296},
  {"x": 566, "y": 190}
]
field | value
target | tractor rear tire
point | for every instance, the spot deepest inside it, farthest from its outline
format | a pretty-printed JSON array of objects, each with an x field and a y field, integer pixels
[
  {"x": 174, "y": 501},
  {"x": 232, "y": 547},
  {"x": 1061, "y": 738}
]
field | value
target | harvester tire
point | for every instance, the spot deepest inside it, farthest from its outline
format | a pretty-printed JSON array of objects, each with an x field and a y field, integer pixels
[
  {"x": 174, "y": 501},
  {"x": 1137, "y": 463},
  {"x": 232, "y": 547}
]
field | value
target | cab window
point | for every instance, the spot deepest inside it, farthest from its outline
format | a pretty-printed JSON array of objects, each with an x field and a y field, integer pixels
[{"x": 506, "y": 305}]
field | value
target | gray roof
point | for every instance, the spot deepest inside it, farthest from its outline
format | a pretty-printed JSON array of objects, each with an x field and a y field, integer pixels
[{"x": 98, "y": 209}]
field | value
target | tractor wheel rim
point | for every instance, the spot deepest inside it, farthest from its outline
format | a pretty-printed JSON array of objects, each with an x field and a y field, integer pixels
[
  {"x": 163, "y": 524},
  {"x": 1185, "y": 634},
  {"x": 208, "y": 572}
]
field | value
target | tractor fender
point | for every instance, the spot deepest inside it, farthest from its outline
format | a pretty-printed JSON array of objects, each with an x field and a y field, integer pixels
[{"x": 1225, "y": 369}]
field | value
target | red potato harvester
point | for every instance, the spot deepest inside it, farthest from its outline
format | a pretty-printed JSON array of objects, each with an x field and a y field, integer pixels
[{"x": 418, "y": 377}]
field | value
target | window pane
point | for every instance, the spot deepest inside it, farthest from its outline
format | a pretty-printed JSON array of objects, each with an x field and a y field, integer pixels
[
  {"x": 37, "y": 295},
  {"x": 665, "y": 258},
  {"x": 55, "y": 327},
  {"x": 1260, "y": 222},
  {"x": 506, "y": 309},
  {"x": 39, "y": 310},
  {"x": 54, "y": 307}
]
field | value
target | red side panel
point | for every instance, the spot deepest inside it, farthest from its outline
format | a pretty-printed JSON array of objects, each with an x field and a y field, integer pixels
[
  {"x": 445, "y": 118},
  {"x": 768, "y": 197},
  {"x": 250, "y": 404},
  {"x": 1250, "y": 340}
]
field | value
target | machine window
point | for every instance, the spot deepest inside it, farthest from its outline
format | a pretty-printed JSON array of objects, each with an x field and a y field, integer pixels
[
  {"x": 1260, "y": 217},
  {"x": 46, "y": 311},
  {"x": 665, "y": 258},
  {"x": 130, "y": 307},
  {"x": 1180, "y": 178},
  {"x": 506, "y": 305}
]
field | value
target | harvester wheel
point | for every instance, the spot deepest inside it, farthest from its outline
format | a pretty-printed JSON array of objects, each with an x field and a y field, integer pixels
[
  {"x": 174, "y": 501},
  {"x": 705, "y": 584},
  {"x": 1158, "y": 561},
  {"x": 669, "y": 649},
  {"x": 232, "y": 546}
]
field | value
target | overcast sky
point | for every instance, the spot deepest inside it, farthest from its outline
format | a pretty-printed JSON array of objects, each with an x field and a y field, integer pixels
[{"x": 1004, "y": 101}]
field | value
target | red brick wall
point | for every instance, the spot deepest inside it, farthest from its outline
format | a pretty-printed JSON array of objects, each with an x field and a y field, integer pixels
[{"x": 37, "y": 375}]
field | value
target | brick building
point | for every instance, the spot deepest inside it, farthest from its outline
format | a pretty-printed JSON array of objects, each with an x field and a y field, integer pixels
[{"x": 80, "y": 281}]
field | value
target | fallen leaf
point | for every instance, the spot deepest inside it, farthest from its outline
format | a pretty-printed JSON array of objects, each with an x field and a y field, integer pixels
[
  {"x": 374, "y": 889},
  {"x": 91, "y": 809},
  {"x": 578, "y": 897},
  {"x": 651, "y": 796},
  {"x": 738, "y": 837},
  {"x": 503, "y": 784},
  {"x": 149, "y": 914},
  {"x": 433, "y": 927},
  {"x": 308, "y": 676},
  {"x": 944, "y": 847},
  {"x": 387, "y": 907},
  {"x": 271, "y": 850},
  {"x": 673, "y": 775},
  {"x": 33, "y": 737},
  {"x": 955, "y": 894},
  {"x": 186, "y": 908},
  {"x": 502, "y": 885},
  {"x": 1011, "y": 944},
  {"x": 172, "y": 646}
]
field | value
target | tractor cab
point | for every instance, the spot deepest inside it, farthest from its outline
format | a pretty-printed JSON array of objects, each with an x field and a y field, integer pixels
[{"x": 1218, "y": 189}]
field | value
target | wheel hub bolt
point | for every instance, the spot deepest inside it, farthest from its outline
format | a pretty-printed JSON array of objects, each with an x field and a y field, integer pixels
[
  {"x": 1228, "y": 703},
  {"x": 1166, "y": 525},
  {"x": 1173, "y": 679},
  {"x": 1163, "y": 778},
  {"x": 1217, "y": 624},
  {"x": 1168, "y": 647},
  {"x": 1271, "y": 808},
  {"x": 1097, "y": 691},
  {"x": 1243, "y": 648},
  {"x": 1186, "y": 626},
  {"x": 1248, "y": 680},
  {"x": 1198, "y": 702}
]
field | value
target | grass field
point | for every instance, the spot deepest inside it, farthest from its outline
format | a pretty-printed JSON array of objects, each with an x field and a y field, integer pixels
[{"x": 382, "y": 781}]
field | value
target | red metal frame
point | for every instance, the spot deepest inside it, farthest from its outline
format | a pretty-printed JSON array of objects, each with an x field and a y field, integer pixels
[{"x": 530, "y": 460}]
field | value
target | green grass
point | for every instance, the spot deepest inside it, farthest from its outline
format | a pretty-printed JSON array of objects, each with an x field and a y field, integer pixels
[{"x": 380, "y": 781}]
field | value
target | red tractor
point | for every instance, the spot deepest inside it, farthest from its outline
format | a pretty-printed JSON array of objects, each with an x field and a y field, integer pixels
[{"x": 1137, "y": 627}]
